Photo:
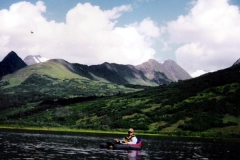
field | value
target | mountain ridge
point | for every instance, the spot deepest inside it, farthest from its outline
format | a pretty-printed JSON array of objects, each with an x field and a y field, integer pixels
[
  {"x": 124, "y": 74},
  {"x": 169, "y": 67},
  {"x": 120, "y": 74}
]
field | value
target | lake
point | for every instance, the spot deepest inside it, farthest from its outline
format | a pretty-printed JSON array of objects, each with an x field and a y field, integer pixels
[{"x": 52, "y": 145}]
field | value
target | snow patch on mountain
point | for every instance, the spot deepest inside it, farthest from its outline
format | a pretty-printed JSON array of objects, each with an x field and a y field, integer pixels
[{"x": 33, "y": 59}]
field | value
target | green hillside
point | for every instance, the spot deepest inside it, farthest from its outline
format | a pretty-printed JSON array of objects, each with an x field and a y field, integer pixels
[
  {"x": 205, "y": 106},
  {"x": 54, "y": 68},
  {"x": 51, "y": 80}
]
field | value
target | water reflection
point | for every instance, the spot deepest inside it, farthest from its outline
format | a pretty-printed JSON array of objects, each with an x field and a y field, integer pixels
[
  {"x": 20, "y": 145},
  {"x": 133, "y": 154}
]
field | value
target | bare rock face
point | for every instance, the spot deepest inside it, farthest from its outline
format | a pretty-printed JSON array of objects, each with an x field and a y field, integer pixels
[{"x": 169, "y": 68}]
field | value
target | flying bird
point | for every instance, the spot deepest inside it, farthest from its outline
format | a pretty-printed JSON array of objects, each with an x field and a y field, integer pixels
[{"x": 32, "y": 32}]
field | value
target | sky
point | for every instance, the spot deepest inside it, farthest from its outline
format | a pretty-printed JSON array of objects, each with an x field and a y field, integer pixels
[{"x": 197, "y": 34}]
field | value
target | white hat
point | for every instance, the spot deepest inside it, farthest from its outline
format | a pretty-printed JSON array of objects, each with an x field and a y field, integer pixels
[{"x": 130, "y": 130}]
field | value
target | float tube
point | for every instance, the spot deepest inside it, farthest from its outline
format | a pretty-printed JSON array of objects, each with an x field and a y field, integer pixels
[{"x": 110, "y": 145}]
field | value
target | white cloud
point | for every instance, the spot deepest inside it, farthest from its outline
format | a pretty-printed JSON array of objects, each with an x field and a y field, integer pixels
[
  {"x": 209, "y": 36},
  {"x": 148, "y": 28},
  {"x": 198, "y": 73},
  {"x": 116, "y": 11},
  {"x": 89, "y": 35}
]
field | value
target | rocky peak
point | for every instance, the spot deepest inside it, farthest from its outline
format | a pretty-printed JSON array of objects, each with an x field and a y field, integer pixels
[
  {"x": 11, "y": 56},
  {"x": 11, "y": 63},
  {"x": 150, "y": 65},
  {"x": 174, "y": 71},
  {"x": 169, "y": 67}
]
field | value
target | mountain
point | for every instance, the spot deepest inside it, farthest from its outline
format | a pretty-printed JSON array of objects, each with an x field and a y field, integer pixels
[
  {"x": 51, "y": 75},
  {"x": 132, "y": 75},
  {"x": 150, "y": 73},
  {"x": 169, "y": 67},
  {"x": 33, "y": 59},
  {"x": 58, "y": 78},
  {"x": 204, "y": 106},
  {"x": 237, "y": 62},
  {"x": 11, "y": 63},
  {"x": 52, "y": 80},
  {"x": 107, "y": 73},
  {"x": 120, "y": 74}
]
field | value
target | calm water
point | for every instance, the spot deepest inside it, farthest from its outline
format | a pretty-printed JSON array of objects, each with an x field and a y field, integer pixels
[{"x": 34, "y": 145}]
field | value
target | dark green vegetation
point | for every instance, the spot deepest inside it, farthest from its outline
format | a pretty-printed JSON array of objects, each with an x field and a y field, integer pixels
[{"x": 208, "y": 105}]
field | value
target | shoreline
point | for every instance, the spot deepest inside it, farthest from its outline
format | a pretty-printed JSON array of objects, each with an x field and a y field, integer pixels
[
  {"x": 68, "y": 130},
  {"x": 114, "y": 132}
]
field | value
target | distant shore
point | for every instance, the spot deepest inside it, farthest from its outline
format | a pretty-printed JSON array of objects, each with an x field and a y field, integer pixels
[
  {"x": 69, "y": 130},
  {"x": 116, "y": 132}
]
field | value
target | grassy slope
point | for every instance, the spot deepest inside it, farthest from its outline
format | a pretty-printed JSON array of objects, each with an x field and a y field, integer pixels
[
  {"x": 209, "y": 105},
  {"x": 53, "y": 68}
]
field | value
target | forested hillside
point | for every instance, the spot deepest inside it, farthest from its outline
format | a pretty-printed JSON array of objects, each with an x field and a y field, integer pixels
[{"x": 209, "y": 104}]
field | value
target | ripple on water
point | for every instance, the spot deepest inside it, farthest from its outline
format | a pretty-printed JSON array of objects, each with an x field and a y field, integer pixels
[
  {"x": 84, "y": 152},
  {"x": 51, "y": 146}
]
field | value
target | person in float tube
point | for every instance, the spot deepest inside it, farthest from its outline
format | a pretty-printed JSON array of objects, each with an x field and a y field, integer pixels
[{"x": 130, "y": 139}]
